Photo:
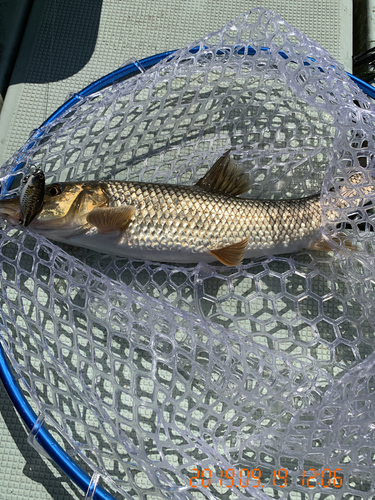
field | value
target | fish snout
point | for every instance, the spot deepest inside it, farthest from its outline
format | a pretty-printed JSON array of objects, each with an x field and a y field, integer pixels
[{"x": 10, "y": 210}]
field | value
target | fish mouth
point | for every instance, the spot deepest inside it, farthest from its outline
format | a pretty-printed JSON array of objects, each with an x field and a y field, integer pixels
[
  {"x": 56, "y": 229},
  {"x": 10, "y": 210}
]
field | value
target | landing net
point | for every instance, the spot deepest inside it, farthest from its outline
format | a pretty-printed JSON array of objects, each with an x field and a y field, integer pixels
[{"x": 151, "y": 375}]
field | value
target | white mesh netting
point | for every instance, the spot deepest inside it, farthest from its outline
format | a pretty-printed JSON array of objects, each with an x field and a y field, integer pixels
[{"x": 145, "y": 371}]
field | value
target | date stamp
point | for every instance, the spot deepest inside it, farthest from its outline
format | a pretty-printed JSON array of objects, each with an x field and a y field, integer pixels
[{"x": 244, "y": 478}]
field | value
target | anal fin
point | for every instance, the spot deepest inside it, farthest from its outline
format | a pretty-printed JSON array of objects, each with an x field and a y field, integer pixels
[
  {"x": 225, "y": 176},
  {"x": 231, "y": 255},
  {"x": 109, "y": 219}
]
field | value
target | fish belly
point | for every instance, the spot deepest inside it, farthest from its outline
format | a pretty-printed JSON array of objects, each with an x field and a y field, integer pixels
[{"x": 114, "y": 244}]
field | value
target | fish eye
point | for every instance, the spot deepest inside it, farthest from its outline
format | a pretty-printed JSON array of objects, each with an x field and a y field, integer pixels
[
  {"x": 55, "y": 189},
  {"x": 41, "y": 175}
]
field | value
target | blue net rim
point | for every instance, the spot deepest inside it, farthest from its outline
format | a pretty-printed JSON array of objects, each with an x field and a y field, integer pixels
[
  {"x": 43, "y": 437},
  {"x": 138, "y": 66}
]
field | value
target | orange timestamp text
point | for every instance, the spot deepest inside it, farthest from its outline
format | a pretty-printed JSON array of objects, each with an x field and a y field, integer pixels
[{"x": 243, "y": 478}]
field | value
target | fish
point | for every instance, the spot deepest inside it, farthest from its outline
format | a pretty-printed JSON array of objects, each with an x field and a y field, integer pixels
[
  {"x": 205, "y": 222},
  {"x": 31, "y": 197}
]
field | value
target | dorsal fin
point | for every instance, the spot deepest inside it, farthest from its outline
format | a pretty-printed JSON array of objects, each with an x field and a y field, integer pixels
[
  {"x": 225, "y": 176},
  {"x": 108, "y": 219},
  {"x": 231, "y": 255}
]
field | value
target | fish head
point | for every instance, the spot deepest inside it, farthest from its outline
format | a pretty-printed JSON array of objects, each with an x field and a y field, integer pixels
[{"x": 66, "y": 206}]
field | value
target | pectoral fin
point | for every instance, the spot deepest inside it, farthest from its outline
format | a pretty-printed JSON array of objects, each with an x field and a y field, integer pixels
[
  {"x": 231, "y": 255},
  {"x": 109, "y": 219},
  {"x": 225, "y": 176}
]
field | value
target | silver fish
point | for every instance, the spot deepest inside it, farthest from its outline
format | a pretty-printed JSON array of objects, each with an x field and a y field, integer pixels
[
  {"x": 32, "y": 196},
  {"x": 176, "y": 223}
]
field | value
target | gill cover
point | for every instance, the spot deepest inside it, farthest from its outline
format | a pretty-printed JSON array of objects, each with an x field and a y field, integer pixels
[{"x": 67, "y": 204}]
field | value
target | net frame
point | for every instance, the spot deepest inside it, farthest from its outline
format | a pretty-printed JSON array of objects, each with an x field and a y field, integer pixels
[{"x": 260, "y": 495}]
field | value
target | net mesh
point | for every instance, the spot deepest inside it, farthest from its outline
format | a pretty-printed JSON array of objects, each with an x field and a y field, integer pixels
[{"x": 149, "y": 373}]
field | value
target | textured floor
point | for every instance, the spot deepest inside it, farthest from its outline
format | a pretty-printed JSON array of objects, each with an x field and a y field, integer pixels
[{"x": 67, "y": 45}]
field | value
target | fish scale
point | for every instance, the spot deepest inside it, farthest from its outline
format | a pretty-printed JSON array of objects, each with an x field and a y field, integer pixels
[{"x": 190, "y": 218}]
